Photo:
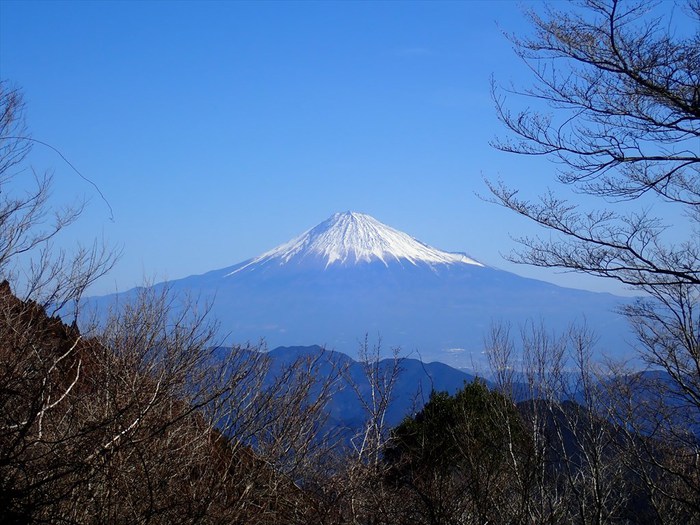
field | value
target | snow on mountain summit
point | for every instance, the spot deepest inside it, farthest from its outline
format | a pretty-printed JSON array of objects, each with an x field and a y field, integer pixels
[{"x": 351, "y": 238}]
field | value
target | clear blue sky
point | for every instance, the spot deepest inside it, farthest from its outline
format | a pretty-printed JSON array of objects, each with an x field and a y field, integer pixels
[{"x": 219, "y": 130}]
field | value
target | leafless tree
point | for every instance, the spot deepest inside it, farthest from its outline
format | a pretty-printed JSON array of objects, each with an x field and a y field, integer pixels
[
  {"x": 142, "y": 418},
  {"x": 366, "y": 495},
  {"x": 576, "y": 469},
  {"x": 381, "y": 376},
  {"x": 149, "y": 421},
  {"x": 615, "y": 103},
  {"x": 624, "y": 121},
  {"x": 28, "y": 222}
]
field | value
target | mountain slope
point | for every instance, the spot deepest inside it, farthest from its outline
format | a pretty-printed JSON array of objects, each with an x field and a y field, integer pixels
[{"x": 352, "y": 275}]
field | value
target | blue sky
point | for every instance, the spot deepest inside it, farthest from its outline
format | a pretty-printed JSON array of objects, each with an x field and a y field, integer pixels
[{"x": 219, "y": 130}]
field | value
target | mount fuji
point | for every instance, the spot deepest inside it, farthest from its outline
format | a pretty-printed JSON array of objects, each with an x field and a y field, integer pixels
[
  {"x": 352, "y": 239},
  {"x": 352, "y": 276}
]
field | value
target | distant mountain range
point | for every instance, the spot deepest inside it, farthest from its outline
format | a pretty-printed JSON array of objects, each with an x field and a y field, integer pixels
[
  {"x": 351, "y": 275},
  {"x": 414, "y": 383}
]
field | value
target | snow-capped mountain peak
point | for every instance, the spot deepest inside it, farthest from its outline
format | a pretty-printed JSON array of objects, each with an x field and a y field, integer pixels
[{"x": 351, "y": 238}]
